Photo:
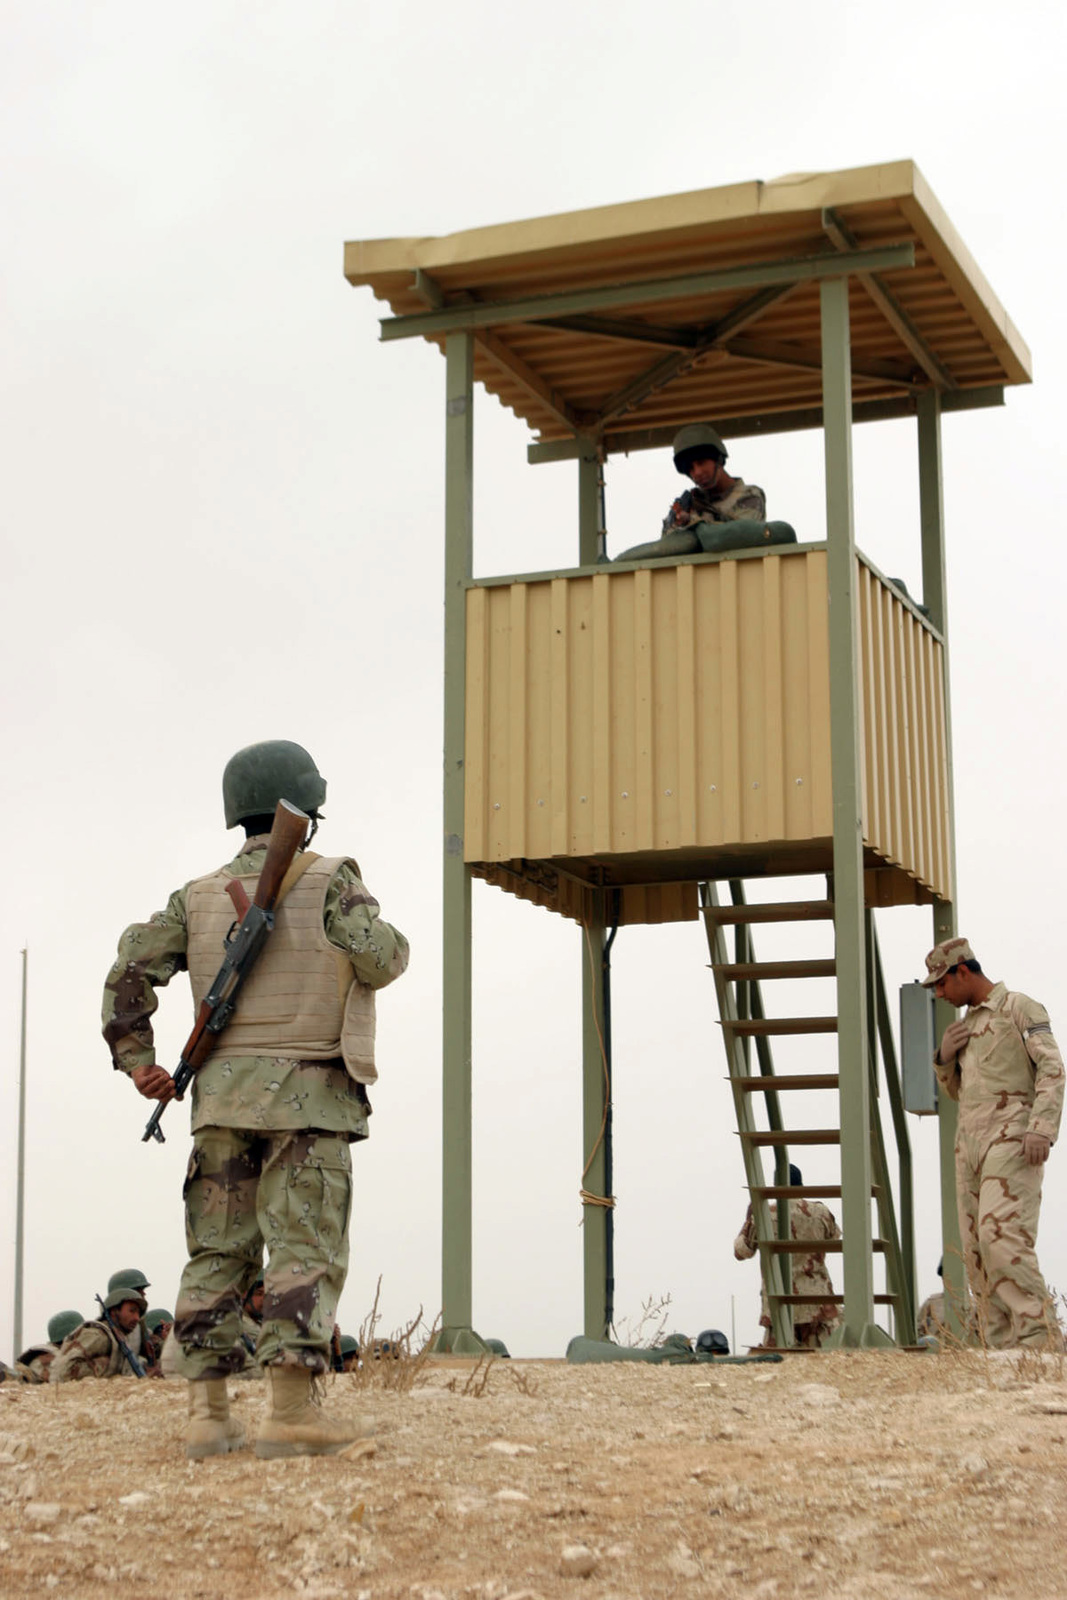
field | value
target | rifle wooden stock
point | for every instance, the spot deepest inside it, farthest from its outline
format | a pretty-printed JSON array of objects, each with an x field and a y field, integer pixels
[
  {"x": 242, "y": 950},
  {"x": 286, "y": 837}
]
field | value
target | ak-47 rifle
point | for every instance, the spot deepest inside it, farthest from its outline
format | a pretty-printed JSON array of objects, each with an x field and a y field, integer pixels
[
  {"x": 243, "y": 946},
  {"x": 134, "y": 1365}
]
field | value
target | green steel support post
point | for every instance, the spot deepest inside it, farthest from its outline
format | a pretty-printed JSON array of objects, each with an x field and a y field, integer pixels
[
  {"x": 589, "y": 478},
  {"x": 456, "y": 1277},
  {"x": 935, "y": 597},
  {"x": 857, "y": 1326},
  {"x": 595, "y": 1091}
]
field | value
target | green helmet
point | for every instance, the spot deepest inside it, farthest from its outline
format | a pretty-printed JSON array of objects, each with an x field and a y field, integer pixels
[
  {"x": 695, "y": 440},
  {"x": 62, "y": 1323},
  {"x": 157, "y": 1315},
  {"x": 118, "y": 1297},
  {"x": 499, "y": 1348},
  {"x": 349, "y": 1345},
  {"x": 128, "y": 1278},
  {"x": 260, "y": 775}
]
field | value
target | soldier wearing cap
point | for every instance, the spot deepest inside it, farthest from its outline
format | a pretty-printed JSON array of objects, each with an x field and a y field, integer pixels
[
  {"x": 275, "y": 1108},
  {"x": 1001, "y": 1063}
]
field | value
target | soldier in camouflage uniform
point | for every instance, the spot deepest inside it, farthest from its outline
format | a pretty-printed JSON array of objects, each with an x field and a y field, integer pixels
[
  {"x": 700, "y": 454},
  {"x": 808, "y": 1219},
  {"x": 92, "y": 1350},
  {"x": 1001, "y": 1063},
  {"x": 274, "y": 1110},
  {"x": 34, "y": 1364}
]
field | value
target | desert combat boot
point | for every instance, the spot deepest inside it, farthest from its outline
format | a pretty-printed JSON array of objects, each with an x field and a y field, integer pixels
[
  {"x": 296, "y": 1424},
  {"x": 211, "y": 1431}
]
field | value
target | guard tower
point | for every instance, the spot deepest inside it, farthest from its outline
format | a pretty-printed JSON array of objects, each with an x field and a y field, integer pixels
[{"x": 620, "y": 738}]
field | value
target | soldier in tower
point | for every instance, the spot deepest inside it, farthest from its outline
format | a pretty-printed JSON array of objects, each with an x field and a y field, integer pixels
[
  {"x": 1003, "y": 1065},
  {"x": 274, "y": 1109},
  {"x": 694, "y": 521}
]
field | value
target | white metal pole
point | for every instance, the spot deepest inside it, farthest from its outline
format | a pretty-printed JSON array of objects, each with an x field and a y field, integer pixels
[{"x": 20, "y": 1184}]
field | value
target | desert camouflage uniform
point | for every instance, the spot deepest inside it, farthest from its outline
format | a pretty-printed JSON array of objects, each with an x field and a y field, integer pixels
[
  {"x": 1009, "y": 1080},
  {"x": 91, "y": 1351},
  {"x": 697, "y": 505},
  {"x": 808, "y": 1219},
  {"x": 33, "y": 1366},
  {"x": 271, "y": 1161}
]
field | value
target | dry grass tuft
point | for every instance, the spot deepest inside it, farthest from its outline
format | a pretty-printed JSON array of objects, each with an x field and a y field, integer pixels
[
  {"x": 398, "y": 1360},
  {"x": 647, "y": 1330}
]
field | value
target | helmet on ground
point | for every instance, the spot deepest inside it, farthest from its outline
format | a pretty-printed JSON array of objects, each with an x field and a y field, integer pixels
[
  {"x": 349, "y": 1345},
  {"x": 128, "y": 1278},
  {"x": 499, "y": 1348},
  {"x": 62, "y": 1323},
  {"x": 156, "y": 1316},
  {"x": 118, "y": 1297},
  {"x": 713, "y": 1342},
  {"x": 260, "y": 775},
  {"x": 695, "y": 441}
]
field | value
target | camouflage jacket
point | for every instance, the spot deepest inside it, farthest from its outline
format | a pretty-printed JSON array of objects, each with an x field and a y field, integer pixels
[
  {"x": 808, "y": 1219},
  {"x": 1011, "y": 1063},
  {"x": 33, "y": 1364},
  {"x": 697, "y": 505},
  {"x": 91, "y": 1351},
  {"x": 268, "y": 1092}
]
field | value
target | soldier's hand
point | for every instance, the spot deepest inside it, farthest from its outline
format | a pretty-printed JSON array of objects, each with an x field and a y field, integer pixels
[
  {"x": 1036, "y": 1148},
  {"x": 155, "y": 1083},
  {"x": 953, "y": 1040}
]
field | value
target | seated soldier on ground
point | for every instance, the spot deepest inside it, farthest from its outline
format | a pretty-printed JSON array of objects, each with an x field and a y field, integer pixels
[
  {"x": 715, "y": 498},
  {"x": 159, "y": 1322},
  {"x": 93, "y": 1350},
  {"x": 33, "y": 1364},
  {"x": 931, "y": 1319}
]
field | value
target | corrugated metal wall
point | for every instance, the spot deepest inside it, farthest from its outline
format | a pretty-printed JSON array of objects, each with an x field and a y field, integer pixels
[
  {"x": 687, "y": 706},
  {"x": 905, "y": 750},
  {"x": 652, "y": 710}
]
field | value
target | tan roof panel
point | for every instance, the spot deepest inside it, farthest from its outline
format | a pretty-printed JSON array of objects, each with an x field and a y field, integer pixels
[{"x": 661, "y": 351}]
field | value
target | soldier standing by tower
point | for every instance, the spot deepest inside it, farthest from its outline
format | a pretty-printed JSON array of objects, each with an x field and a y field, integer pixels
[
  {"x": 1004, "y": 1067},
  {"x": 274, "y": 1109}
]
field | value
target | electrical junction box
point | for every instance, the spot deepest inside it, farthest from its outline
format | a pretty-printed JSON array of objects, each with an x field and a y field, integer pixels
[{"x": 917, "y": 1047}]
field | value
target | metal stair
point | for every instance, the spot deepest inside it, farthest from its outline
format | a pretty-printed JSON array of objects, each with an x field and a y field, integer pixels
[{"x": 747, "y": 1033}]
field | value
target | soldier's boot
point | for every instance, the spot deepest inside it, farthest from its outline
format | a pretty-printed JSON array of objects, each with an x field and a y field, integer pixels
[
  {"x": 296, "y": 1424},
  {"x": 211, "y": 1431}
]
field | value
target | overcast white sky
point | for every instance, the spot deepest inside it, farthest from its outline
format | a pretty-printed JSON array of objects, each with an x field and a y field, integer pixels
[{"x": 223, "y": 522}]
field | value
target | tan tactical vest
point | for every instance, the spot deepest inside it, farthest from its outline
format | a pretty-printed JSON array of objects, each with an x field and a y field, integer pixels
[{"x": 302, "y": 999}]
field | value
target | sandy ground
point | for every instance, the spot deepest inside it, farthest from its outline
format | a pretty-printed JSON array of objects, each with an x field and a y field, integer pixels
[{"x": 860, "y": 1475}]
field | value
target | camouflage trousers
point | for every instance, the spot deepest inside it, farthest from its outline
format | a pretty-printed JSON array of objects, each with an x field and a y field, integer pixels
[
  {"x": 289, "y": 1192},
  {"x": 999, "y": 1197}
]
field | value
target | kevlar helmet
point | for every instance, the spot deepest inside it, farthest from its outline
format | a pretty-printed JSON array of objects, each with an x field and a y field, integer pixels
[
  {"x": 62, "y": 1323},
  {"x": 499, "y": 1348},
  {"x": 695, "y": 440},
  {"x": 118, "y": 1297},
  {"x": 713, "y": 1342},
  {"x": 128, "y": 1278},
  {"x": 349, "y": 1345},
  {"x": 156, "y": 1316},
  {"x": 260, "y": 775}
]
